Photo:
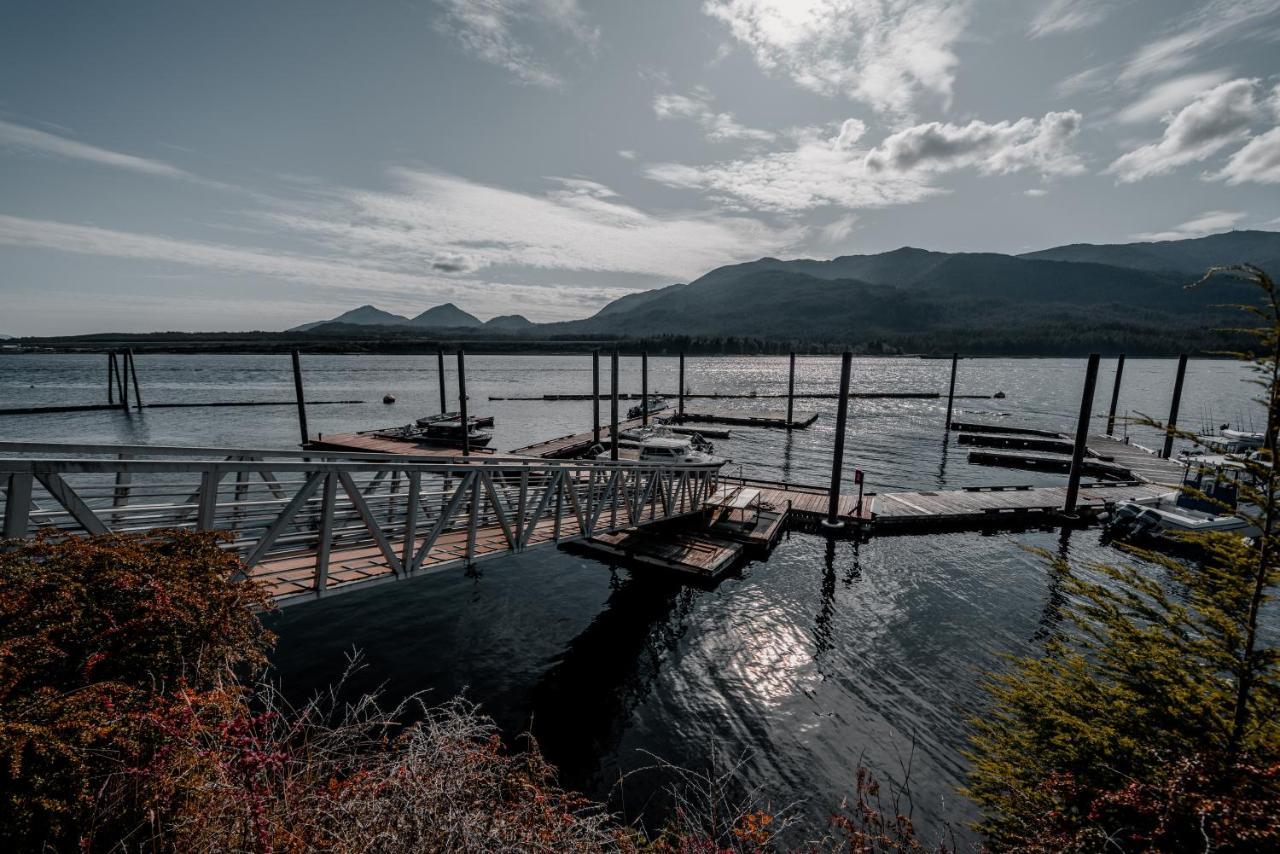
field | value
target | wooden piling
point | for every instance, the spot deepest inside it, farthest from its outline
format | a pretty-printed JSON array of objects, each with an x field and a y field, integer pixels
[
  {"x": 1115, "y": 397},
  {"x": 444, "y": 398},
  {"x": 613, "y": 407},
  {"x": 791, "y": 391},
  {"x": 595, "y": 397},
  {"x": 951, "y": 392},
  {"x": 302, "y": 401},
  {"x": 137, "y": 389},
  {"x": 837, "y": 461},
  {"x": 644, "y": 388},
  {"x": 680, "y": 410},
  {"x": 1171, "y": 426},
  {"x": 111, "y": 378},
  {"x": 462, "y": 403},
  {"x": 1082, "y": 435}
]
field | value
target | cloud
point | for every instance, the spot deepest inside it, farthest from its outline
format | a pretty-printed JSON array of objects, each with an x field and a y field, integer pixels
[
  {"x": 1170, "y": 95},
  {"x": 1217, "y": 118},
  {"x": 577, "y": 225},
  {"x": 1068, "y": 16},
  {"x": 719, "y": 127},
  {"x": 834, "y": 232},
  {"x": 30, "y": 139},
  {"x": 1041, "y": 145},
  {"x": 486, "y": 29},
  {"x": 881, "y": 52},
  {"x": 1036, "y": 192},
  {"x": 816, "y": 172},
  {"x": 1210, "y": 222},
  {"x": 627, "y": 154},
  {"x": 831, "y": 169},
  {"x": 1209, "y": 24},
  {"x": 1257, "y": 163}
]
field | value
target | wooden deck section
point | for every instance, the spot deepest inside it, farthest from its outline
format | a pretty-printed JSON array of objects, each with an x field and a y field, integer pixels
[
  {"x": 799, "y": 420},
  {"x": 1060, "y": 463},
  {"x": 901, "y": 512},
  {"x": 693, "y": 554},
  {"x": 1018, "y": 441},
  {"x": 805, "y": 501},
  {"x": 1143, "y": 463},
  {"x": 576, "y": 444},
  {"x": 368, "y": 443},
  {"x": 1010, "y": 429}
]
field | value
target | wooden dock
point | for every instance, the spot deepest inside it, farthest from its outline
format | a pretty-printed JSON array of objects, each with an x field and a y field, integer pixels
[
  {"x": 1000, "y": 506},
  {"x": 693, "y": 554},
  {"x": 369, "y": 443}
]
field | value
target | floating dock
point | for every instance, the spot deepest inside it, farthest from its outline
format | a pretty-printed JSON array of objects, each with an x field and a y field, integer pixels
[{"x": 798, "y": 420}]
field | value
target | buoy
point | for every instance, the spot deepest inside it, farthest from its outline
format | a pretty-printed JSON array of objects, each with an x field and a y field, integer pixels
[
  {"x": 998, "y": 395},
  {"x": 388, "y": 398}
]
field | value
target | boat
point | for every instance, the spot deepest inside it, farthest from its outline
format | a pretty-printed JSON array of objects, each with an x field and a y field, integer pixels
[
  {"x": 388, "y": 398},
  {"x": 475, "y": 420},
  {"x": 441, "y": 431},
  {"x": 1230, "y": 441},
  {"x": 666, "y": 450},
  {"x": 1207, "y": 503},
  {"x": 649, "y": 406}
]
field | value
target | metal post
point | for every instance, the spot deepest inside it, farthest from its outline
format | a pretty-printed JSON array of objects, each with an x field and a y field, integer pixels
[
  {"x": 302, "y": 401},
  {"x": 462, "y": 403},
  {"x": 644, "y": 387},
  {"x": 951, "y": 392},
  {"x": 613, "y": 408},
  {"x": 595, "y": 397},
  {"x": 1115, "y": 397},
  {"x": 444, "y": 400},
  {"x": 1172, "y": 424},
  {"x": 837, "y": 460},
  {"x": 122, "y": 381},
  {"x": 791, "y": 391},
  {"x": 1082, "y": 434},
  {"x": 111, "y": 378},
  {"x": 137, "y": 390},
  {"x": 681, "y": 398}
]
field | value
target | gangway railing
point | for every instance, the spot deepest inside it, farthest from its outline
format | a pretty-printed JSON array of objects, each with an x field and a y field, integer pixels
[{"x": 311, "y": 524}]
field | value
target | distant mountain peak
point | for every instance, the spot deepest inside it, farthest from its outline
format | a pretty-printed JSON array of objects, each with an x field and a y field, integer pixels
[{"x": 447, "y": 315}]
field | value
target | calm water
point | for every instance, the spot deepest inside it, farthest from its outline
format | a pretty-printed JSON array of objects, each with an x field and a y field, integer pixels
[{"x": 827, "y": 654}]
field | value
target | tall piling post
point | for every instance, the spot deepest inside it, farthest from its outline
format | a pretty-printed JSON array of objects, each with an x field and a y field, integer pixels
[
  {"x": 1115, "y": 397},
  {"x": 302, "y": 401},
  {"x": 951, "y": 391},
  {"x": 1171, "y": 426},
  {"x": 644, "y": 388},
  {"x": 462, "y": 404},
  {"x": 837, "y": 460},
  {"x": 1082, "y": 435},
  {"x": 791, "y": 391},
  {"x": 111, "y": 378},
  {"x": 444, "y": 397},
  {"x": 613, "y": 407},
  {"x": 595, "y": 397},
  {"x": 680, "y": 411},
  {"x": 137, "y": 389}
]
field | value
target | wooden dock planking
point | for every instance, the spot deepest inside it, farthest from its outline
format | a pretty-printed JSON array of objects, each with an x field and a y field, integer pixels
[
  {"x": 1143, "y": 463},
  {"x": 804, "y": 500},
  {"x": 368, "y": 443},
  {"x": 1038, "y": 461},
  {"x": 1018, "y": 441},
  {"x": 703, "y": 557},
  {"x": 969, "y": 427},
  {"x": 1000, "y": 505}
]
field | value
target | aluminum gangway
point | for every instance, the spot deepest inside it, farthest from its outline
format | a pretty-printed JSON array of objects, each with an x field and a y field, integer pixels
[{"x": 309, "y": 524}]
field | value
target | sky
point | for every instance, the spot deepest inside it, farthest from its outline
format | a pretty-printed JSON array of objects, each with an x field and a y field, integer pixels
[{"x": 244, "y": 165}]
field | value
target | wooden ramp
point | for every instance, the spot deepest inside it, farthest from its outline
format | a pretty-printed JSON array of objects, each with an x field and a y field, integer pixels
[{"x": 903, "y": 512}]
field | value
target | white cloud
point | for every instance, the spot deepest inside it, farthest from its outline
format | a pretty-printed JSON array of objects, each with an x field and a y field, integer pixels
[
  {"x": 1036, "y": 192},
  {"x": 1041, "y": 145},
  {"x": 627, "y": 154},
  {"x": 1170, "y": 95},
  {"x": 834, "y": 232},
  {"x": 1211, "y": 23},
  {"x": 1210, "y": 222},
  {"x": 719, "y": 127},
  {"x": 825, "y": 169},
  {"x": 1217, "y": 118},
  {"x": 818, "y": 171},
  {"x": 882, "y": 52},
  {"x": 1067, "y": 16},
  {"x": 30, "y": 139},
  {"x": 1257, "y": 163},
  {"x": 487, "y": 30},
  {"x": 433, "y": 221}
]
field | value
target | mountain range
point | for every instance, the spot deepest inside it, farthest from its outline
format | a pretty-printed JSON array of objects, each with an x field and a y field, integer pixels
[{"x": 913, "y": 298}]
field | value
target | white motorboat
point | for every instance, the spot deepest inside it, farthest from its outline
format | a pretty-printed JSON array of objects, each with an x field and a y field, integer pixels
[
  {"x": 1209, "y": 502},
  {"x": 666, "y": 450}
]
